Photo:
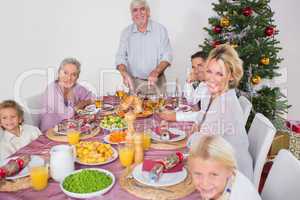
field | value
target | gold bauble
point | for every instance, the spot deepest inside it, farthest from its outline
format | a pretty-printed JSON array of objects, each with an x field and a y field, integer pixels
[
  {"x": 265, "y": 60},
  {"x": 256, "y": 79},
  {"x": 234, "y": 45},
  {"x": 224, "y": 21}
]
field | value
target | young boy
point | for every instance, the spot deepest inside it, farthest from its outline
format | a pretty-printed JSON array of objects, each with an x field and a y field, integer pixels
[{"x": 14, "y": 134}]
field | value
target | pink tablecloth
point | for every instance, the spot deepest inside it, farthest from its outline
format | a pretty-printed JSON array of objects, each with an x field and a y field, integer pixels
[{"x": 42, "y": 145}]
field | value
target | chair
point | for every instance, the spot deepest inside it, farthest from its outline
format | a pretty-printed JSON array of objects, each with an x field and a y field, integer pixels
[
  {"x": 260, "y": 135},
  {"x": 33, "y": 110},
  {"x": 283, "y": 179},
  {"x": 246, "y": 107}
]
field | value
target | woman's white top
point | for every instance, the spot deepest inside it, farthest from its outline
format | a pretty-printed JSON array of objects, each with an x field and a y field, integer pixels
[
  {"x": 193, "y": 96},
  {"x": 10, "y": 143},
  {"x": 225, "y": 117}
]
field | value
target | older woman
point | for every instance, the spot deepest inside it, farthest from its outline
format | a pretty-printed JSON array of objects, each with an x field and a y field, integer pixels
[
  {"x": 64, "y": 96},
  {"x": 214, "y": 171},
  {"x": 221, "y": 112}
]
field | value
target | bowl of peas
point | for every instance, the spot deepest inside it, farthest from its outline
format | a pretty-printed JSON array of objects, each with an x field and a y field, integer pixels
[{"x": 87, "y": 183}]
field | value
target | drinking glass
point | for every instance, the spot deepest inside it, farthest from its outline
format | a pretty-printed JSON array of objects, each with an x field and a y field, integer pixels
[
  {"x": 73, "y": 136},
  {"x": 126, "y": 154},
  {"x": 147, "y": 139},
  {"x": 99, "y": 102},
  {"x": 39, "y": 175}
]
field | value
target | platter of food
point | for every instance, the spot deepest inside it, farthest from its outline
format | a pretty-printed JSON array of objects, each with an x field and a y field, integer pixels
[{"x": 95, "y": 153}]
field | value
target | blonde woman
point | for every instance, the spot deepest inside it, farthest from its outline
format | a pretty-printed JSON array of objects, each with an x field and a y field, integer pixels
[
  {"x": 221, "y": 112},
  {"x": 214, "y": 171}
]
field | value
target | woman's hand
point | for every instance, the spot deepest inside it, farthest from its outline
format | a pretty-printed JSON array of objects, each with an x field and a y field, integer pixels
[{"x": 168, "y": 115}]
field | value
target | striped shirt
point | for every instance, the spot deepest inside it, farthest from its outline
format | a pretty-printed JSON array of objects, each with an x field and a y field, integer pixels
[{"x": 142, "y": 52}]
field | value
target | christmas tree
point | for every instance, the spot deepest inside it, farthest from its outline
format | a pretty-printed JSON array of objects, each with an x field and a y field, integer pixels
[{"x": 248, "y": 26}]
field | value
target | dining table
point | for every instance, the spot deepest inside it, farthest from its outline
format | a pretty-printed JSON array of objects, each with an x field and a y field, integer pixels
[{"x": 42, "y": 145}]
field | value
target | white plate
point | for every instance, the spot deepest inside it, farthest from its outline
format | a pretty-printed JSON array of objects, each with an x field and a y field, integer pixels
[
  {"x": 25, "y": 171},
  {"x": 92, "y": 194},
  {"x": 91, "y": 109},
  {"x": 112, "y": 129},
  {"x": 183, "y": 108},
  {"x": 166, "y": 179},
  {"x": 107, "y": 107},
  {"x": 106, "y": 139},
  {"x": 113, "y": 158},
  {"x": 181, "y": 135}
]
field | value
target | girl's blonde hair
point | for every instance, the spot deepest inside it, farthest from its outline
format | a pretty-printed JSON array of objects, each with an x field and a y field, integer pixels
[
  {"x": 14, "y": 105},
  {"x": 213, "y": 147},
  {"x": 232, "y": 62}
]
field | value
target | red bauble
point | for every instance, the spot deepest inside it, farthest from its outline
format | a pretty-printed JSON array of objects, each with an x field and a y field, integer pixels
[
  {"x": 2, "y": 173},
  {"x": 247, "y": 11},
  {"x": 216, "y": 43},
  {"x": 217, "y": 29},
  {"x": 269, "y": 31},
  {"x": 20, "y": 163}
]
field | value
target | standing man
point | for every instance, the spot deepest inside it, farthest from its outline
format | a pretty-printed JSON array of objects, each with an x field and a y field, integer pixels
[{"x": 144, "y": 52}]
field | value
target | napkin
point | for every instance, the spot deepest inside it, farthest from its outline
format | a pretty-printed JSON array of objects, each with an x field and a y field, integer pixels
[
  {"x": 148, "y": 165},
  {"x": 157, "y": 130}
]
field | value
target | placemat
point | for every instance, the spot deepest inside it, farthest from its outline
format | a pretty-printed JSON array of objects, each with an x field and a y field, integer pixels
[
  {"x": 63, "y": 138},
  {"x": 168, "y": 145},
  {"x": 140, "y": 190}
]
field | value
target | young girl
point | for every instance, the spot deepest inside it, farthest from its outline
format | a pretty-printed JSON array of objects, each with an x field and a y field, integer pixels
[
  {"x": 214, "y": 171},
  {"x": 14, "y": 135}
]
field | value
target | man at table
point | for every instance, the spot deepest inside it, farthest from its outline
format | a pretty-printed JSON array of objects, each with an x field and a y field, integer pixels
[{"x": 144, "y": 52}]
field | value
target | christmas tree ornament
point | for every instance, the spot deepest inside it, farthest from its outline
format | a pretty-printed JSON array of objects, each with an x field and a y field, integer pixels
[
  {"x": 269, "y": 31},
  {"x": 217, "y": 29},
  {"x": 265, "y": 60},
  {"x": 215, "y": 43},
  {"x": 256, "y": 79},
  {"x": 224, "y": 21},
  {"x": 247, "y": 11},
  {"x": 234, "y": 45}
]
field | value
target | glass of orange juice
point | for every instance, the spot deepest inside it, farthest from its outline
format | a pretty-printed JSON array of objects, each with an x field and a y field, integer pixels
[
  {"x": 39, "y": 175},
  {"x": 126, "y": 154},
  {"x": 147, "y": 139},
  {"x": 73, "y": 136},
  {"x": 98, "y": 102}
]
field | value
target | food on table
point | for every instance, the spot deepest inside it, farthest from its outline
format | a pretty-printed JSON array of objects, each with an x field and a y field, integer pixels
[
  {"x": 65, "y": 125},
  {"x": 142, "y": 108},
  {"x": 117, "y": 136},
  {"x": 93, "y": 152},
  {"x": 87, "y": 181},
  {"x": 113, "y": 122},
  {"x": 14, "y": 166},
  {"x": 85, "y": 124},
  {"x": 165, "y": 164}
]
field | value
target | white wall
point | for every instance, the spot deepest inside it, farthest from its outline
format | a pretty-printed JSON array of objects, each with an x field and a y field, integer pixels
[{"x": 38, "y": 34}]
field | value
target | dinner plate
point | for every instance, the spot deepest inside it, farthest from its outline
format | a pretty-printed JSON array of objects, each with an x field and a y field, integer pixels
[
  {"x": 183, "y": 108},
  {"x": 91, "y": 109},
  {"x": 106, "y": 140},
  {"x": 113, "y": 129},
  {"x": 166, "y": 179},
  {"x": 92, "y": 194},
  {"x": 181, "y": 135},
  {"x": 113, "y": 158},
  {"x": 106, "y": 107},
  {"x": 25, "y": 171}
]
